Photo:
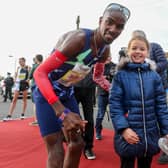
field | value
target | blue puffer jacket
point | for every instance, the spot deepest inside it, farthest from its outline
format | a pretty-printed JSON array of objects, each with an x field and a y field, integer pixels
[
  {"x": 137, "y": 101},
  {"x": 158, "y": 56}
]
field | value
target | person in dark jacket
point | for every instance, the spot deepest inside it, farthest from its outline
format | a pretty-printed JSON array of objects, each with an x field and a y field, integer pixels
[
  {"x": 38, "y": 59},
  {"x": 159, "y": 57},
  {"x": 84, "y": 94},
  {"x": 122, "y": 53},
  {"x": 138, "y": 107},
  {"x": 8, "y": 82},
  {"x": 102, "y": 97}
]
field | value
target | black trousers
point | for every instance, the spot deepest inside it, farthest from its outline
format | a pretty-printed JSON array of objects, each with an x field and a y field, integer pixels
[
  {"x": 8, "y": 93},
  {"x": 142, "y": 162},
  {"x": 85, "y": 96}
]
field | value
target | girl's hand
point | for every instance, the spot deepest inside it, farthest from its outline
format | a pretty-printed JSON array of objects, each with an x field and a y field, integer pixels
[{"x": 130, "y": 136}]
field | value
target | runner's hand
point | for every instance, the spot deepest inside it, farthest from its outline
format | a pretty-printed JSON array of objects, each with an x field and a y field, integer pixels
[{"x": 73, "y": 121}]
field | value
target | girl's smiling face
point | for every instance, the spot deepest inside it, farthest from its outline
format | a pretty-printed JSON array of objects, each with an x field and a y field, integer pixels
[{"x": 138, "y": 50}]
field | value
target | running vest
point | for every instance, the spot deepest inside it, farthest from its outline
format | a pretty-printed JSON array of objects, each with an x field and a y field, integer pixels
[
  {"x": 74, "y": 69},
  {"x": 22, "y": 74}
]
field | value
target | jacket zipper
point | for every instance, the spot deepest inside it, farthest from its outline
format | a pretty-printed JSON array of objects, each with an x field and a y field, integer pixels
[{"x": 143, "y": 110}]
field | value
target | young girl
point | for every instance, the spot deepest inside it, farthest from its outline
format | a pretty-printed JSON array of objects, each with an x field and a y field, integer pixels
[{"x": 138, "y": 107}]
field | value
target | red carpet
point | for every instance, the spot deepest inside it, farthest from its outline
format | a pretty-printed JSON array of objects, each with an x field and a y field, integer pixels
[{"x": 21, "y": 146}]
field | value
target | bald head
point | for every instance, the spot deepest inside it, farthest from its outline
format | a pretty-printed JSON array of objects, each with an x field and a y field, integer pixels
[{"x": 138, "y": 33}]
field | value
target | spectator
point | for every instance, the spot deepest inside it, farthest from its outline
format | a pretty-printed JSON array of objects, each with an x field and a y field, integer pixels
[
  {"x": 103, "y": 95},
  {"x": 158, "y": 56},
  {"x": 84, "y": 94},
  {"x": 122, "y": 53},
  {"x": 8, "y": 82},
  {"x": 37, "y": 61}
]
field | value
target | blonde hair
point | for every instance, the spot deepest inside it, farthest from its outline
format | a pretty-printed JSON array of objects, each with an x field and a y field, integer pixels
[{"x": 141, "y": 38}]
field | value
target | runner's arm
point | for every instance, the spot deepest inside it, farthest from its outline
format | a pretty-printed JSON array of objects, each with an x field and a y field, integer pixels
[{"x": 55, "y": 60}]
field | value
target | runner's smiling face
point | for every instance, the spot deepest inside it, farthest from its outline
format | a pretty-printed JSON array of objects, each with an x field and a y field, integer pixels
[{"x": 111, "y": 25}]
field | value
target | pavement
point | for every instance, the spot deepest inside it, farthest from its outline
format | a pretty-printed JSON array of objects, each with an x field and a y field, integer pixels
[{"x": 4, "y": 108}]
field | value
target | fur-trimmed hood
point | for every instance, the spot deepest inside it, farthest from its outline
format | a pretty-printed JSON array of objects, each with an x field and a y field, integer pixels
[{"x": 124, "y": 61}]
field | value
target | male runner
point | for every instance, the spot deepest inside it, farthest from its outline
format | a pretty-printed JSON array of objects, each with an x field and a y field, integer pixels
[{"x": 74, "y": 55}]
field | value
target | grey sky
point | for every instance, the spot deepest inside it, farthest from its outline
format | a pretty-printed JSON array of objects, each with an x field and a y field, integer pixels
[{"x": 29, "y": 27}]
